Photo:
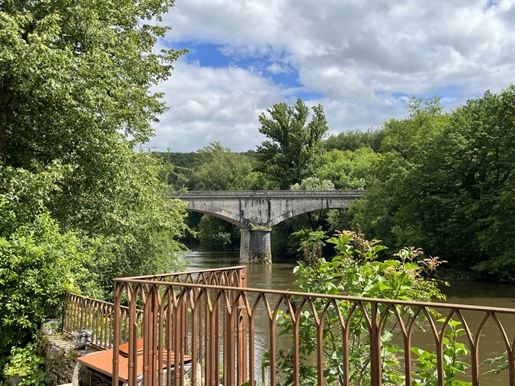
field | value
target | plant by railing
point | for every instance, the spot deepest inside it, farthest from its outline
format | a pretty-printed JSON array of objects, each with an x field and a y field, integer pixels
[{"x": 356, "y": 271}]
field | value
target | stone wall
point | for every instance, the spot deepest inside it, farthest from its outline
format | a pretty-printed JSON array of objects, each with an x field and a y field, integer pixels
[{"x": 61, "y": 361}]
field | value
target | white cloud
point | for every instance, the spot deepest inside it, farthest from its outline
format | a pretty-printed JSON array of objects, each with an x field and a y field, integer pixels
[
  {"x": 213, "y": 105},
  {"x": 359, "y": 59}
]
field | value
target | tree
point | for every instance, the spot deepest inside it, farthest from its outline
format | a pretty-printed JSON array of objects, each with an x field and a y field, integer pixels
[
  {"x": 355, "y": 139},
  {"x": 38, "y": 262},
  {"x": 404, "y": 137},
  {"x": 463, "y": 195},
  {"x": 290, "y": 153},
  {"x": 76, "y": 100},
  {"x": 76, "y": 92},
  {"x": 448, "y": 186},
  {"x": 348, "y": 169},
  {"x": 221, "y": 169},
  {"x": 403, "y": 142},
  {"x": 73, "y": 75},
  {"x": 217, "y": 233}
]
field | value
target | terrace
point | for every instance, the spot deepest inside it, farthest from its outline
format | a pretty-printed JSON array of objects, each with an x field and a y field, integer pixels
[{"x": 207, "y": 328}]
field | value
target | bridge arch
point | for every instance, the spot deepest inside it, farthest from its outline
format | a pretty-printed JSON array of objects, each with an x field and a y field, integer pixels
[{"x": 224, "y": 215}]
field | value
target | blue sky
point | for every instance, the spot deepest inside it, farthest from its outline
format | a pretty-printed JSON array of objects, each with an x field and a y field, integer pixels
[{"x": 361, "y": 60}]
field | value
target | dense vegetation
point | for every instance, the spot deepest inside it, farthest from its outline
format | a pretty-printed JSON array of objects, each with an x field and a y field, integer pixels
[
  {"x": 78, "y": 206},
  {"x": 438, "y": 180}
]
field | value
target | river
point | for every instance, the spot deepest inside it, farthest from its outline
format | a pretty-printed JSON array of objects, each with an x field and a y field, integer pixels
[{"x": 279, "y": 276}]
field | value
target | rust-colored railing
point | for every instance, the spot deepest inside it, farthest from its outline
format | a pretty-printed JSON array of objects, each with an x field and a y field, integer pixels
[
  {"x": 242, "y": 336},
  {"x": 81, "y": 312}
]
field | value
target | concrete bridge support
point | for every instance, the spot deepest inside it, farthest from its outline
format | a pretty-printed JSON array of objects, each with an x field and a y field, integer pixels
[{"x": 255, "y": 246}]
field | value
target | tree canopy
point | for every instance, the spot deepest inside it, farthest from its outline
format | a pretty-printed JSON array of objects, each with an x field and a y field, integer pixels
[
  {"x": 221, "y": 169},
  {"x": 448, "y": 185},
  {"x": 290, "y": 153},
  {"x": 76, "y": 100}
]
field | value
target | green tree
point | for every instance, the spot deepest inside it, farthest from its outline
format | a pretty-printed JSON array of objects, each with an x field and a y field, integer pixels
[
  {"x": 448, "y": 185},
  {"x": 76, "y": 91},
  {"x": 355, "y": 139},
  {"x": 221, "y": 169},
  {"x": 403, "y": 143},
  {"x": 463, "y": 188},
  {"x": 348, "y": 169},
  {"x": 38, "y": 262},
  {"x": 75, "y": 74},
  {"x": 406, "y": 137},
  {"x": 290, "y": 153},
  {"x": 76, "y": 100},
  {"x": 217, "y": 233}
]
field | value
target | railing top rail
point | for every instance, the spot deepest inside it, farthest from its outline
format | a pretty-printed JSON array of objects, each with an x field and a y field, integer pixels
[
  {"x": 183, "y": 273},
  {"x": 94, "y": 300},
  {"x": 71, "y": 294},
  {"x": 462, "y": 307},
  {"x": 271, "y": 193}
]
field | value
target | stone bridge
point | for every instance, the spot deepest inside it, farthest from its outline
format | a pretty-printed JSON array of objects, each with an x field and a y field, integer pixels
[{"x": 255, "y": 212}]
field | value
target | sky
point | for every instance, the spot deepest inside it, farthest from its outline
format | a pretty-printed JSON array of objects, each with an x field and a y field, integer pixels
[{"x": 361, "y": 60}]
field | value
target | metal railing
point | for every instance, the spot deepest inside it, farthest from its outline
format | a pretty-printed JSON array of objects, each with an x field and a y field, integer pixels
[
  {"x": 81, "y": 312},
  {"x": 242, "y": 336}
]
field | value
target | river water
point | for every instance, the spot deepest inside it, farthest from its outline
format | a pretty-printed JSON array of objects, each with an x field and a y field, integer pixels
[{"x": 279, "y": 276}]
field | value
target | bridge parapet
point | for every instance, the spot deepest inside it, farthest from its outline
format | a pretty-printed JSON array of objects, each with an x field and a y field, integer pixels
[{"x": 271, "y": 193}]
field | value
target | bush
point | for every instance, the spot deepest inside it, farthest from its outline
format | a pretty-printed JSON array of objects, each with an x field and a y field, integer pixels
[
  {"x": 27, "y": 363},
  {"x": 357, "y": 271}
]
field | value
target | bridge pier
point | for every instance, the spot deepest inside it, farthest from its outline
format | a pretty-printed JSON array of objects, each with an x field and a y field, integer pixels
[{"x": 255, "y": 246}]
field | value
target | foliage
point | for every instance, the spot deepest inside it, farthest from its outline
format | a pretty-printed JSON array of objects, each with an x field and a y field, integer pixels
[
  {"x": 88, "y": 79},
  {"x": 73, "y": 74},
  {"x": 78, "y": 206},
  {"x": 217, "y": 233},
  {"x": 405, "y": 137},
  {"x": 447, "y": 184},
  {"x": 38, "y": 262},
  {"x": 356, "y": 271},
  {"x": 313, "y": 183},
  {"x": 290, "y": 153},
  {"x": 427, "y": 363},
  {"x": 355, "y": 139},
  {"x": 494, "y": 367},
  {"x": 27, "y": 363},
  {"x": 181, "y": 169},
  {"x": 310, "y": 242},
  {"x": 221, "y": 169},
  {"x": 138, "y": 223},
  {"x": 347, "y": 169}
]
